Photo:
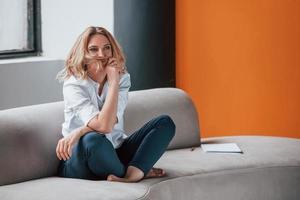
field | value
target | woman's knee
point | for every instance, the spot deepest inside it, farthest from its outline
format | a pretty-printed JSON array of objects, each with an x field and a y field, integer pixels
[
  {"x": 94, "y": 139},
  {"x": 167, "y": 121}
]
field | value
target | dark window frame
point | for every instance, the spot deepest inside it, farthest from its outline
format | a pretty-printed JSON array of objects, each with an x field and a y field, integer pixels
[{"x": 34, "y": 34}]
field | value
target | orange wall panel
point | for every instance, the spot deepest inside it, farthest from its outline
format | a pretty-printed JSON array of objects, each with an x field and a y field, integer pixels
[{"x": 240, "y": 62}]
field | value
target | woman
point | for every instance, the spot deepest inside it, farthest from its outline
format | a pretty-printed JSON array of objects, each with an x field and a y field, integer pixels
[{"x": 94, "y": 146}]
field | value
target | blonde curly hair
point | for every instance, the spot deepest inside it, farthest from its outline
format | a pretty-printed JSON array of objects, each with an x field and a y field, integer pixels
[{"x": 78, "y": 58}]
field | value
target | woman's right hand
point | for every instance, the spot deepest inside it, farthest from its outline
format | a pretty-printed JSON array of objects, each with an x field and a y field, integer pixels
[
  {"x": 64, "y": 145},
  {"x": 113, "y": 70}
]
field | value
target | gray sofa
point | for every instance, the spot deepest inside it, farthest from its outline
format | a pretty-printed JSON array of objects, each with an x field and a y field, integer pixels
[{"x": 269, "y": 168}]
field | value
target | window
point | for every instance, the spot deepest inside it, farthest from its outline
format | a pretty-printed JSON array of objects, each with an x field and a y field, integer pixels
[{"x": 20, "y": 28}]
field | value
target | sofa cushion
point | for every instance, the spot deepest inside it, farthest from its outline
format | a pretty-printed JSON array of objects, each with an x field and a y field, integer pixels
[
  {"x": 275, "y": 183},
  {"x": 268, "y": 169},
  {"x": 28, "y": 135},
  {"x": 54, "y": 188},
  {"x": 258, "y": 152}
]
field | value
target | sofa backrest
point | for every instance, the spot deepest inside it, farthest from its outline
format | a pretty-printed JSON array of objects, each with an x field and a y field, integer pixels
[
  {"x": 143, "y": 105},
  {"x": 28, "y": 135}
]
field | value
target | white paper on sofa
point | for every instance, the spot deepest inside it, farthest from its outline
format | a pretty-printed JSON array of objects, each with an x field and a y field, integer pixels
[{"x": 221, "y": 148}]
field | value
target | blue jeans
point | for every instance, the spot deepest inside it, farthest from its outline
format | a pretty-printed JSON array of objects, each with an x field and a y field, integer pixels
[{"x": 94, "y": 157}]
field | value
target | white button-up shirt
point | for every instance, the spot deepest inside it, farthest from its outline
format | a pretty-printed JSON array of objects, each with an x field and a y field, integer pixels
[{"x": 82, "y": 103}]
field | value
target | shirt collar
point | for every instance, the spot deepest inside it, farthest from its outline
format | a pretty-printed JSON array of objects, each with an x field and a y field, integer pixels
[{"x": 94, "y": 83}]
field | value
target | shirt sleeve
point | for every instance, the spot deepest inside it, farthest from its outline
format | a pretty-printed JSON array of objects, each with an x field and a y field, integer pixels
[
  {"x": 78, "y": 101},
  {"x": 125, "y": 85}
]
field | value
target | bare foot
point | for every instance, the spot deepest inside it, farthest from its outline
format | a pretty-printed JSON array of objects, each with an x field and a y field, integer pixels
[
  {"x": 133, "y": 174},
  {"x": 155, "y": 172},
  {"x": 112, "y": 177}
]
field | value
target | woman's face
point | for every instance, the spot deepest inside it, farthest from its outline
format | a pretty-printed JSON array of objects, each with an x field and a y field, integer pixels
[{"x": 100, "y": 48}]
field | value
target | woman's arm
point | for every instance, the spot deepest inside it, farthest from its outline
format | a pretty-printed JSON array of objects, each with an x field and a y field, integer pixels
[{"x": 106, "y": 119}]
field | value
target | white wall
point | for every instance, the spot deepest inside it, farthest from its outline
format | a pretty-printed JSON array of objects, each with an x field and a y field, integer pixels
[
  {"x": 64, "y": 20},
  {"x": 28, "y": 81}
]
